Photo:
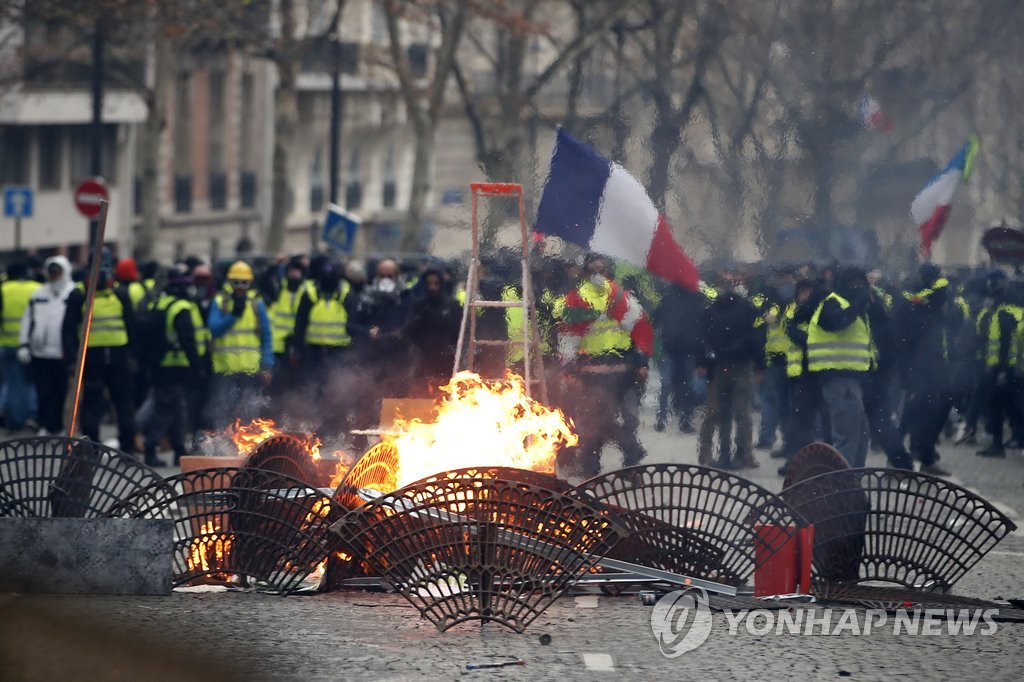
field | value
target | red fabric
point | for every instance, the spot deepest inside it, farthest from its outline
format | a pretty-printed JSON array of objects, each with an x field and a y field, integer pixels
[
  {"x": 932, "y": 228},
  {"x": 126, "y": 270},
  {"x": 642, "y": 333},
  {"x": 667, "y": 259}
]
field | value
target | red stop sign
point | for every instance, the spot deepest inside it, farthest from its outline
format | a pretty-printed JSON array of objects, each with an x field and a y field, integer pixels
[{"x": 88, "y": 196}]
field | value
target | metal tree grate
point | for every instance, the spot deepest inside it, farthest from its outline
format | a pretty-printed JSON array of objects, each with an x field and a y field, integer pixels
[
  {"x": 376, "y": 470},
  {"x": 463, "y": 546},
  {"x": 285, "y": 454},
  {"x": 896, "y": 526},
  {"x": 239, "y": 525},
  {"x": 893, "y": 599},
  {"x": 67, "y": 477},
  {"x": 813, "y": 460},
  {"x": 694, "y": 520}
]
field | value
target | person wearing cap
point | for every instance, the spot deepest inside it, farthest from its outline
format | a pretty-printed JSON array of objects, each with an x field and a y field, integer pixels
[
  {"x": 128, "y": 279},
  {"x": 185, "y": 345},
  {"x": 41, "y": 347},
  {"x": 108, "y": 357},
  {"x": 242, "y": 351},
  {"x": 19, "y": 395}
]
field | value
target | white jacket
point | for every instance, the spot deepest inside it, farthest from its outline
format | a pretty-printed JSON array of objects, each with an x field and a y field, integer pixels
[{"x": 44, "y": 316}]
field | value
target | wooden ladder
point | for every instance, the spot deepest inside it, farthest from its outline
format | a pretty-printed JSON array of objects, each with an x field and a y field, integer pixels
[{"x": 533, "y": 360}]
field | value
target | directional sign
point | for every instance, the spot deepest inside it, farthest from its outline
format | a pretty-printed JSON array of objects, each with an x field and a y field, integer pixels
[
  {"x": 18, "y": 202},
  {"x": 88, "y": 196},
  {"x": 340, "y": 228}
]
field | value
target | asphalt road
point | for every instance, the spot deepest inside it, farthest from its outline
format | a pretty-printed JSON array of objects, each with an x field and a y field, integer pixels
[{"x": 355, "y": 635}]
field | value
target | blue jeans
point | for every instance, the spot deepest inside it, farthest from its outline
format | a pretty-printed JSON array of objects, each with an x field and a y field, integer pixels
[
  {"x": 19, "y": 392},
  {"x": 774, "y": 401}
]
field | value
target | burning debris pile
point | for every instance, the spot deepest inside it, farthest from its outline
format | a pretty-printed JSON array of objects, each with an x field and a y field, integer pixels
[{"x": 463, "y": 515}]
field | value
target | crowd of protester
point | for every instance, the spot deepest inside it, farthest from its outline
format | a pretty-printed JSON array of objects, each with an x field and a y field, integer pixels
[{"x": 834, "y": 354}]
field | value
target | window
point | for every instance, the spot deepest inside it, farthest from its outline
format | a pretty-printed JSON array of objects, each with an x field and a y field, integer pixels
[
  {"x": 13, "y": 159},
  {"x": 418, "y": 60},
  {"x": 80, "y": 167},
  {"x": 390, "y": 190},
  {"x": 218, "y": 191},
  {"x": 51, "y": 156},
  {"x": 354, "y": 185},
  {"x": 182, "y": 193},
  {"x": 248, "y": 190}
]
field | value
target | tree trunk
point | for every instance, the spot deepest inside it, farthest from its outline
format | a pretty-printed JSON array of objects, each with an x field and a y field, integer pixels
[
  {"x": 150, "y": 169},
  {"x": 414, "y": 237},
  {"x": 286, "y": 116}
]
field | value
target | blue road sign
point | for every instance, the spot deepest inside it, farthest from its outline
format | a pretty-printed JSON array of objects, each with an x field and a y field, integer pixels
[
  {"x": 18, "y": 202},
  {"x": 340, "y": 228}
]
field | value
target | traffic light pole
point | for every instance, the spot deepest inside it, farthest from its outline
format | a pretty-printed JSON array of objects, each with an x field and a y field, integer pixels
[{"x": 96, "y": 156}]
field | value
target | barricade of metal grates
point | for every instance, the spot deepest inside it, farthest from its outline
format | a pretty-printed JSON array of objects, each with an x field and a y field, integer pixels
[
  {"x": 693, "y": 520},
  {"x": 285, "y": 454},
  {"x": 376, "y": 470},
  {"x": 813, "y": 460},
  {"x": 892, "y": 599},
  {"x": 241, "y": 526},
  {"x": 67, "y": 477},
  {"x": 895, "y": 526},
  {"x": 462, "y": 546}
]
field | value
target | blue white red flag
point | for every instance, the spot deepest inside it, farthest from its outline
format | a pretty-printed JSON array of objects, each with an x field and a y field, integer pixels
[
  {"x": 932, "y": 205},
  {"x": 872, "y": 116},
  {"x": 595, "y": 203}
]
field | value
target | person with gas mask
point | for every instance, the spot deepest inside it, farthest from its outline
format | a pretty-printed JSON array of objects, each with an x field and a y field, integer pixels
[
  {"x": 41, "y": 347},
  {"x": 108, "y": 356},
  {"x": 242, "y": 349},
  {"x": 322, "y": 340},
  {"x": 182, "y": 362},
  {"x": 733, "y": 352},
  {"x": 381, "y": 316},
  {"x": 605, "y": 341},
  {"x": 839, "y": 354}
]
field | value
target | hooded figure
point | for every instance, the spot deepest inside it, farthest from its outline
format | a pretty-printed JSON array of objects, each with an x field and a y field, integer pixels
[{"x": 41, "y": 344}]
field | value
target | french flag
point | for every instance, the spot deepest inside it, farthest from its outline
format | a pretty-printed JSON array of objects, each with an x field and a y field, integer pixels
[
  {"x": 932, "y": 205},
  {"x": 595, "y": 203},
  {"x": 872, "y": 116}
]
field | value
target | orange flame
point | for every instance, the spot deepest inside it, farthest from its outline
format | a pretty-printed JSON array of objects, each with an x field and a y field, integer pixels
[
  {"x": 248, "y": 436},
  {"x": 208, "y": 551},
  {"x": 482, "y": 423}
]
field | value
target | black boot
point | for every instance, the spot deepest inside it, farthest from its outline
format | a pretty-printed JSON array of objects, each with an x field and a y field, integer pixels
[{"x": 152, "y": 460}]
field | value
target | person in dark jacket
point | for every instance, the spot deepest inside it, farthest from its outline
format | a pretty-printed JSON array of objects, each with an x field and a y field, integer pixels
[
  {"x": 734, "y": 350},
  {"x": 680, "y": 343},
  {"x": 433, "y": 331}
]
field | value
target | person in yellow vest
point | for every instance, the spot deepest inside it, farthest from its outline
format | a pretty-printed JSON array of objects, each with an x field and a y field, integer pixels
[
  {"x": 185, "y": 345},
  {"x": 1001, "y": 346},
  {"x": 19, "y": 393},
  {"x": 323, "y": 340},
  {"x": 242, "y": 349},
  {"x": 108, "y": 357},
  {"x": 282, "y": 317},
  {"x": 839, "y": 353},
  {"x": 128, "y": 280},
  {"x": 774, "y": 389},
  {"x": 604, "y": 343}
]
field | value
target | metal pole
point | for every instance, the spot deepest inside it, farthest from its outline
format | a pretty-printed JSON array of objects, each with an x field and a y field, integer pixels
[
  {"x": 90, "y": 296},
  {"x": 96, "y": 160},
  {"x": 17, "y": 234}
]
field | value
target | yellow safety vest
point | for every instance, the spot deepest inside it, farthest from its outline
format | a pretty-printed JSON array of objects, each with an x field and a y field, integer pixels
[
  {"x": 794, "y": 353},
  {"x": 16, "y": 295},
  {"x": 328, "y": 322},
  {"x": 884, "y": 296},
  {"x": 992, "y": 354},
  {"x": 136, "y": 292},
  {"x": 514, "y": 326},
  {"x": 175, "y": 356},
  {"x": 849, "y": 349},
  {"x": 237, "y": 351},
  {"x": 108, "y": 329},
  {"x": 777, "y": 343},
  {"x": 282, "y": 315},
  {"x": 606, "y": 335}
]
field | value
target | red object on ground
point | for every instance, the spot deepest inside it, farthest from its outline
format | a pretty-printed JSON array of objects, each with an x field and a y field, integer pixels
[
  {"x": 88, "y": 196},
  {"x": 787, "y": 571}
]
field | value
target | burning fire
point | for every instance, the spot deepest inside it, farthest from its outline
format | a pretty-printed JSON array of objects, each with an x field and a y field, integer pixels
[
  {"x": 248, "y": 436},
  {"x": 209, "y": 551},
  {"x": 480, "y": 422}
]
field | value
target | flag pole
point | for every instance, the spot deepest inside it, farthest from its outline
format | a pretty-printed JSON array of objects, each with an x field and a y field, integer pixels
[{"x": 90, "y": 296}]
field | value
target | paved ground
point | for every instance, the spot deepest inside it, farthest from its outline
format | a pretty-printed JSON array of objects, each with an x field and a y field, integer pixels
[{"x": 351, "y": 635}]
